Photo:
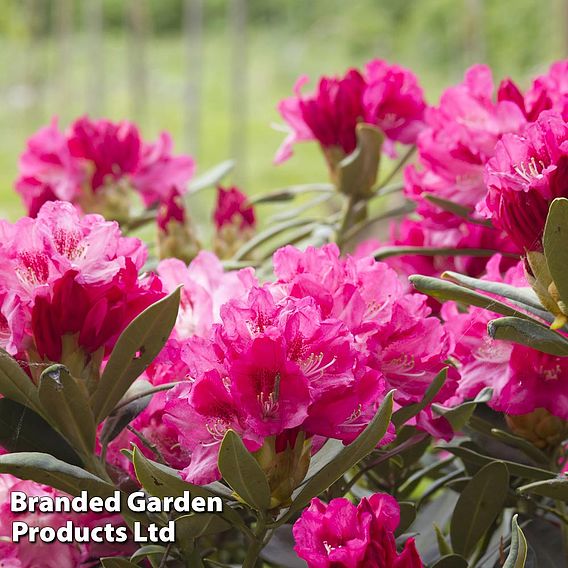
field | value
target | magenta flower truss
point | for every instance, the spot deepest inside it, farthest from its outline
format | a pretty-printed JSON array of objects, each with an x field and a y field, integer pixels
[
  {"x": 386, "y": 96},
  {"x": 65, "y": 275},
  {"x": 339, "y": 534},
  {"x": 523, "y": 379},
  {"x": 92, "y": 155},
  {"x": 315, "y": 351},
  {"x": 528, "y": 171}
]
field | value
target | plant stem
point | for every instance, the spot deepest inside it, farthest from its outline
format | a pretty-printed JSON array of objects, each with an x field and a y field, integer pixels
[
  {"x": 257, "y": 544},
  {"x": 561, "y": 506}
]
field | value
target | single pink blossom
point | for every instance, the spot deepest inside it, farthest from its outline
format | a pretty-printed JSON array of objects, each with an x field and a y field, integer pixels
[{"x": 339, "y": 534}]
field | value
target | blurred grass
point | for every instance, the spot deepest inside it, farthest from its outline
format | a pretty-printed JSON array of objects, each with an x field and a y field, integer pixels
[{"x": 34, "y": 86}]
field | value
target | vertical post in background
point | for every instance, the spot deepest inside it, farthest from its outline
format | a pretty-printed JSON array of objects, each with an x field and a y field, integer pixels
[
  {"x": 63, "y": 18},
  {"x": 93, "y": 14},
  {"x": 475, "y": 51},
  {"x": 239, "y": 85},
  {"x": 138, "y": 20},
  {"x": 35, "y": 69},
  {"x": 193, "y": 31}
]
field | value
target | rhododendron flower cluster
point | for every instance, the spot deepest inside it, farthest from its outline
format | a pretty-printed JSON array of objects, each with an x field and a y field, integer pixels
[
  {"x": 315, "y": 352},
  {"x": 339, "y": 534},
  {"x": 386, "y": 96},
  {"x": 65, "y": 276},
  {"x": 523, "y": 379},
  {"x": 527, "y": 173},
  {"x": 94, "y": 162}
]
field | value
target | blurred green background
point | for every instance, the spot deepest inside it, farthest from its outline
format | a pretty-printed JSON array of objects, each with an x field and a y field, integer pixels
[{"x": 212, "y": 71}]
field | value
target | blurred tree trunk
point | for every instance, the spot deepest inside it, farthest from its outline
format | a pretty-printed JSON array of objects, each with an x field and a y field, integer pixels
[
  {"x": 34, "y": 71},
  {"x": 63, "y": 19},
  {"x": 138, "y": 26},
  {"x": 193, "y": 31},
  {"x": 93, "y": 14},
  {"x": 239, "y": 85}
]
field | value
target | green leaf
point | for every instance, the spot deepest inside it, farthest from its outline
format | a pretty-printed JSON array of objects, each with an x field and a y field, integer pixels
[
  {"x": 388, "y": 252},
  {"x": 350, "y": 456},
  {"x": 289, "y": 193},
  {"x": 458, "y": 416},
  {"x": 211, "y": 177},
  {"x": 44, "y": 468},
  {"x": 116, "y": 562},
  {"x": 451, "y": 561},
  {"x": 554, "y": 241},
  {"x": 22, "y": 430},
  {"x": 66, "y": 405},
  {"x": 518, "y": 551},
  {"x": 118, "y": 419},
  {"x": 556, "y": 489},
  {"x": 163, "y": 481},
  {"x": 529, "y": 333},
  {"x": 242, "y": 472},
  {"x": 269, "y": 233},
  {"x": 202, "y": 524},
  {"x": 135, "y": 349},
  {"x": 147, "y": 551},
  {"x": 407, "y": 412},
  {"x": 517, "y": 469},
  {"x": 407, "y": 516},
  {"x": 524, "y": 296},
  {"x": 450, "y": 206},
  {"x": 522, "y": 444},
  {"x": 478, "y": 506},
  {"x": 357, "y": 172},
  {"x": 443, "y": 545},
  {"x": 15, "y": 384},
  {"x": 444, "y": 290}
]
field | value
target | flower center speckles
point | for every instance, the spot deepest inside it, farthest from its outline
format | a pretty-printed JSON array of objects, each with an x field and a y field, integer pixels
[
  {"x": 68, "y": 244},
  {"x": 312, "y": 366},
  {"x": 33, "y": 268},
  {"x": 373, "y": 308},
  {"x": 531, "y": 169},
  {"x": 550, "y": 374}
]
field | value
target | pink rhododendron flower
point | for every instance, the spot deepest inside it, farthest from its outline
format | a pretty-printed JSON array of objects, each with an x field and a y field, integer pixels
[
  {"x": 159, "y": 171},
  {"x": 393, "y": 101},
  {"x": 26, "y": 554},
  {"x": 36, "y": 253},
  {"x": 95, "y": 164},
  {"x": 458, "y": 141},
  {"x": 96, "y": 313},
  {"x": 112, "y": 149},
  {"x": 340, "y": 534},
  {"x": 206, "y": 287},
  {"x": 522, "y": 379},
  {"x": 329, "y": 116},
  {"x": 547, "y": 92},
  {"x": 386, "y": 96},
  {"x": 232, "y": 208},
  {"x": 527, "y": 172},
  {"x": 47, "y": 170},
  {"x": 370, "y": 299}
]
